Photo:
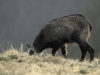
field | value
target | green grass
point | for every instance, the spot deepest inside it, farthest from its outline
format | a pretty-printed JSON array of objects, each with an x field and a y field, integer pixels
[
  {"x": 13, "y": 62},
  {"x": 4, "y": 59}
]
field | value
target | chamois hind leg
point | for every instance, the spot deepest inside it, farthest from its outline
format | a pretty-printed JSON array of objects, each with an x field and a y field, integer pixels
[
  {"x": 83, "y": 51},
  {"x": 92, "y": 52},
  {"x": 87, "y": 47}
]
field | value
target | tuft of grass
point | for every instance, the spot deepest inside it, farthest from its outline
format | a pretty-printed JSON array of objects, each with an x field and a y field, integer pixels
[
  {"x": 13, "y": 57},
  {"x": 83, "y": 71},
  {"x": 4, "y": 59}
]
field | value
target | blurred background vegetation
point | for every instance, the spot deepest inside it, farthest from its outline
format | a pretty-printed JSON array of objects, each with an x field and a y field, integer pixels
[
  {"x": 91, "y": 11},
  {"x": 21, "y": 20}
]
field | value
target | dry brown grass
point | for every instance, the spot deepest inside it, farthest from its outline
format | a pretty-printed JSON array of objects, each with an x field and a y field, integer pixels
[{"x": 13, "y": 62}]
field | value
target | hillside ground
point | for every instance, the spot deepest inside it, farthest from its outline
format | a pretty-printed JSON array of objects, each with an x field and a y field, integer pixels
[{"x": 15, "y": 62}]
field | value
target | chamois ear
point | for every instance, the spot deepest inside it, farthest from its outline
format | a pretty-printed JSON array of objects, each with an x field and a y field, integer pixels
[
  {"x": 30, "y": 50},
  {"x": 28, "y": 45}
]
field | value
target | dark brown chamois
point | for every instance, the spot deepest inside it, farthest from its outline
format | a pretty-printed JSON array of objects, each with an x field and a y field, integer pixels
[{"x": 67, "y": 29}]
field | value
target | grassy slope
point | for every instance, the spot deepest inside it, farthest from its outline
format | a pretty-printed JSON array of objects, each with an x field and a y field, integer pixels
[{"x": 13, "y": 62}]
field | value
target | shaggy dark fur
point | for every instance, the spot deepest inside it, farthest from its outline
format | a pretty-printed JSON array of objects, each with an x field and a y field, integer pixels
[{"x": 67, "y": 29}]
